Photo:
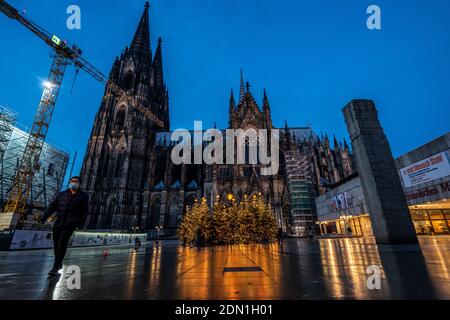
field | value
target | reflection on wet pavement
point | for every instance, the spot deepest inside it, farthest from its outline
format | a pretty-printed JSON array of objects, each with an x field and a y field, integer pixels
[{"x": 299, "y": 269}]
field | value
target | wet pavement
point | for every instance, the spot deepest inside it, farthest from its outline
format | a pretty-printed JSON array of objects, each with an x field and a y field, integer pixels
[{"x": 322, "y": 269}]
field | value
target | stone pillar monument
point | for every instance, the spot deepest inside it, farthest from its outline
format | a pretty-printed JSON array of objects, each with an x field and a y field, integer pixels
[{"x": 383, "y": 192}]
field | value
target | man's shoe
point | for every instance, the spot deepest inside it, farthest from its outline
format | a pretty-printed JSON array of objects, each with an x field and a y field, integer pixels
[{"x": 53, "y": 272}]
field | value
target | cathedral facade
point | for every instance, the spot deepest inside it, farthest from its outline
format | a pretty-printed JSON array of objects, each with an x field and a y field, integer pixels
[{"x": 132, "y": 182}]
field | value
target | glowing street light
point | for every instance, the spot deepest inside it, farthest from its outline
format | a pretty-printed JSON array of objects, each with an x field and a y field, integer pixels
[
  {"x": 48, "y": 84},
  {"x": 158, "y": 228}
]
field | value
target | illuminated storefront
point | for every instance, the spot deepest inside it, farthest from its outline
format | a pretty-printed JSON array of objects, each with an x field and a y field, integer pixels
[
  {"x": 342, "y": 209},
  {"x": 430, "y": 219},
  {"x": 425, "y": 177},
  {"x": 360, "y": 225}
]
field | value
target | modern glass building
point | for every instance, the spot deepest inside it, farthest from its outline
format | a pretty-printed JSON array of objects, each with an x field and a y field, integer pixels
[{"x": 50, "y": 174}]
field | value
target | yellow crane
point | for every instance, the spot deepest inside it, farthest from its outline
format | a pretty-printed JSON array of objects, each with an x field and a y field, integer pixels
[{"x": 64, "y": 55}]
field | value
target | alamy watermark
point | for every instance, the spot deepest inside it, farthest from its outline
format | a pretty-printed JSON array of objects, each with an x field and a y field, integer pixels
[
  {"x": 73, "y": 281},
  {"x": 238, "y": 143},
  {"x": 374, "y": 20},
  {"x": 73, "y": 22},
  {"x": 374, "y": 277}
]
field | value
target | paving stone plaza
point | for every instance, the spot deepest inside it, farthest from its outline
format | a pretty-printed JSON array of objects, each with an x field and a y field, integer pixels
[{"x": 322, "y": 269}]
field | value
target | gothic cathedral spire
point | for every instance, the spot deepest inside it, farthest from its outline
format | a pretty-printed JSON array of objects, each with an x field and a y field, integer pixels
[
  {"x": 118, "y": 162},
  {"x": 158, "y": 80},
  {"x": 141, "y": 40},
  {"x": 241, "y": 88}
]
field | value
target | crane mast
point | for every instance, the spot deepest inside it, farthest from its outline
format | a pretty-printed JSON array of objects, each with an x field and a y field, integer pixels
[
  {"x": 14, "y": 210},
  {"x": 29, "y": 163}
]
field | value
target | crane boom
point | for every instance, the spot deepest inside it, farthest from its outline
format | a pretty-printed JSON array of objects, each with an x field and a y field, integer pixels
[
  {"x": 61, "y": 48},
  {"x": 29, "y": 163}
]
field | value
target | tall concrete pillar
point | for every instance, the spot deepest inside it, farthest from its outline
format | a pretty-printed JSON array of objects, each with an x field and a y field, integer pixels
[{"x": 383, "y": 192}]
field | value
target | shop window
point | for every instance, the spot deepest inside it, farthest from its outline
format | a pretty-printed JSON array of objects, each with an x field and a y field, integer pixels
[
  {"x": 331, "y": 227},
  {"x": 423, "y": 227},
  {"x": 340, "y": 224},
  {"x": 419, "y": 214},
  {"x": 435, "y": 214},
  {"x": 439, "y": 226},
  {"x": 366, "y": 226},
  {"x": 357, "y": 227}
]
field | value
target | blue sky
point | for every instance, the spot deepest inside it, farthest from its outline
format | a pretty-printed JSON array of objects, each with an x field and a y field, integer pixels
[{"x": 311, "y": 56}]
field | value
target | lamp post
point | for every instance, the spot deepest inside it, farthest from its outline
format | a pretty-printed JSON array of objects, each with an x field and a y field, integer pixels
[{"x": 158, "y": 228}]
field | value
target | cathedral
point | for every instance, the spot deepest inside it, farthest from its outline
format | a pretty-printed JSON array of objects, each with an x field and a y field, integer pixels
[{"x": 132, "y": 182}]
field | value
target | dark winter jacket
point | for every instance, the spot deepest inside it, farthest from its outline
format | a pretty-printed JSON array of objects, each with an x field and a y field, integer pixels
[{"x": 71, "y": 209}]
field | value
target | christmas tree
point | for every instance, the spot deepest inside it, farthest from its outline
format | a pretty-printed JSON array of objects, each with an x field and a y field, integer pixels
[
  {"x": 196, "y": 221},
  {"x": 249, "y": 221}
]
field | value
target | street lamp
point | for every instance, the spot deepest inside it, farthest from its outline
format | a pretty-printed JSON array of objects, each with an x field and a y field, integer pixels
[{"x": 157, "y": 233}]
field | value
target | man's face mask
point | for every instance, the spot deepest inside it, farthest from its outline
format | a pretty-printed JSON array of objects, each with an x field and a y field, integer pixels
[{"x": 75, "y": 186}]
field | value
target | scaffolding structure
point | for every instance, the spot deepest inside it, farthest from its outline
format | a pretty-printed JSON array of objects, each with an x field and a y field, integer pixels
[
  {"x": 47, "y": 181},
  {"x": 7, "y": 120},
  {"x": 299, "y": 183}
]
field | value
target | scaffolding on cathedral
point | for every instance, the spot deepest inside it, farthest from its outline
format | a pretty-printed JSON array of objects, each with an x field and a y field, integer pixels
[{"x": 299, "y": 183}]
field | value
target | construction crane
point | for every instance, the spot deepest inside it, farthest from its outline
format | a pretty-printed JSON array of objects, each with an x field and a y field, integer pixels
[{"x": 63, "y": 56}]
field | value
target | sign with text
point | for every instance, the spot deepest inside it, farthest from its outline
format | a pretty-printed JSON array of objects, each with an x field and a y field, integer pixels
[
  {"x": 429, "y": 169},
  {"x": 341, "y": 201}
]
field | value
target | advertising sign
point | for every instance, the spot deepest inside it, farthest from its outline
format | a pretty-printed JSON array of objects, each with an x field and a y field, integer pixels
[
  {"x": 429, "y": 169},
  {"x": 342, "y": 201}
]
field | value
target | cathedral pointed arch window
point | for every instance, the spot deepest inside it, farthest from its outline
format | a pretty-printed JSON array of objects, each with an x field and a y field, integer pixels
[
  {"x": 128, "y": 80},
  {"x": 174, "y": 214},
  {"x": 120, "y": 117},
  {"x": 155, "y": 214},
  {"x": 251, "y": 145}
]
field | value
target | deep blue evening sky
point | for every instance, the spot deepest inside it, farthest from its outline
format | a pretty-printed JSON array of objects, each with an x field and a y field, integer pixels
[{"x": 312, "y": 56}]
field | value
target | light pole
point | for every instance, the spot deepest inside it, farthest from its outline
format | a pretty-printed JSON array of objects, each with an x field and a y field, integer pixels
[{"x": 158, "y": 228}]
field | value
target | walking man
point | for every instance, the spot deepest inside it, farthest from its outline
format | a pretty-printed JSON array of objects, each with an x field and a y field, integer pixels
[
  {"x": 71, "y": 208},
  {"x": 349, "y": 232},
  {"x": 199, "y": 239},
  {"x": 310, "y": 233},
  {"x": 137, "y": 243},
  {"x": 280, "y": 236}
]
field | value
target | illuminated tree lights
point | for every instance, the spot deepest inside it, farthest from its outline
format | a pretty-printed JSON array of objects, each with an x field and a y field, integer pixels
[{"x": 229, "y": 222}]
